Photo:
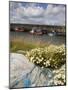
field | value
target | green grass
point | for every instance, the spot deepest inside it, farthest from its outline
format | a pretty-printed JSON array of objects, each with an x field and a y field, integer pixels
[{"x": 16, "y": 45}]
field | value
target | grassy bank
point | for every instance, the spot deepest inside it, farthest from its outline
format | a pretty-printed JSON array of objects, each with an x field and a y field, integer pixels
[
  {"x": 44, "y": 55},
  {"x": 16, "y": 45}
]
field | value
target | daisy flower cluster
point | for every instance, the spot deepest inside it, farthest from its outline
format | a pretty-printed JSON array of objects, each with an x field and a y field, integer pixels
[
  {"x": 50, "y": 57},
  {"x": 59, "y": 76}
]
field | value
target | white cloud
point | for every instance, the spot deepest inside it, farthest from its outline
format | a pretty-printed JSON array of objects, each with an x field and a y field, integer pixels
[
  {"x": 34, "y": 14},
  {"x": 33, "y": 11}
]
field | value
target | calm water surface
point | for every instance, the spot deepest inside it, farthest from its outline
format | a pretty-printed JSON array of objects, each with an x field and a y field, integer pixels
[{"x": 57, "y": 40}]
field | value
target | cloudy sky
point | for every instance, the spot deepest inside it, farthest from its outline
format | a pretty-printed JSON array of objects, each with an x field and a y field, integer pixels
[{"x": 37, "y": 13}]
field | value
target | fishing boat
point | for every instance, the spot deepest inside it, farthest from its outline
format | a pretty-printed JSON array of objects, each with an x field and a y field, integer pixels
[
  {"x": 19, "y": 29},
  {"x": 53, "y": 33},
  {"x": 50, "y": 34},
  {"x": 36, "y": 31}
]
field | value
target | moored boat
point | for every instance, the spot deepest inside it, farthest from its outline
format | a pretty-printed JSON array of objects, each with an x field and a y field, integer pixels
[
  {"x": 36, "y": 31},
  {"x": 19, "y": 29}
]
